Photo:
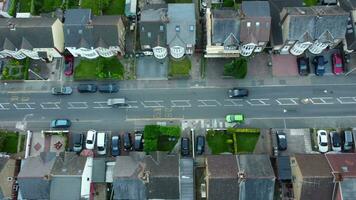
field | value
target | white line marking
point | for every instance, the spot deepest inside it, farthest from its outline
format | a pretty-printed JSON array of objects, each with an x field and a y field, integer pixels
[
  {"x": 81, "y": 105},
  {"x": 261, "y": 102},
  {"x": 19, "y": 106},
  {"x": 2, "y": 107},
  {"x": 156, "y": 104},
  {"x": 52, "y": 105},
  {"x": 102, "y": 104},
  {"x": 321, "y": 100},
  {"x": 206, "y": 103},
  {"x": 28, "y": 92},
  {"x": 287, "y": 101},
  {"x": 129, "y": 104},
  {"x": 180, "y": 103},
  {"x": 346, "y": 100},
  {"x": 233, "y": 102}
]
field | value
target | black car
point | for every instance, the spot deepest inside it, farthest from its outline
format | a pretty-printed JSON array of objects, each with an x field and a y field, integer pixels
[
  {"x": 238, "y": 92},
  {"x": 200, "y": 145},
  {"x": 115, "y": 145},
  {"x": 87, "y": 88},
  {"x": 184, "y": 146},
  {"x": 303, "y": 66},
  {"x": 108, "y": 88},
  {"x": 138, "y": 141},
  {"x": 78, "y": 141},
  {"x": 319, "y": 63},
  {"x": 281, "y": 140},
  {"x": 127, "y": 142}
]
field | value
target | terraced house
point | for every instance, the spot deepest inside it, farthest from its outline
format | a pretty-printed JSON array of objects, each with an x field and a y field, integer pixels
[
  {"x": 35, "y": 38},
  {"x": 93, "y": 36}
]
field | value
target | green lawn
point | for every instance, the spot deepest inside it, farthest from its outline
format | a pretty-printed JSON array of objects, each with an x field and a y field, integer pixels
[
  {"x": 99, "y": 69},
  {"x": 25, "y": 5},
  {"x": 311, "y": 2},
  {"x": 8, "y": 142},
  {"x": 94, "y": 5},
  {"x": 246, "y": 142},
  {"x": 179, "y": 68},
  {"x": 70, "y": 4},
  {"x": 217, "y": 141},
  {"x": 50, "y": 5},
  {"x": 163, "y": 143},
  {"x": 228, "y": 3},
  {"x": 160, "y": 138},
  {"x": 117, "y": 7}
]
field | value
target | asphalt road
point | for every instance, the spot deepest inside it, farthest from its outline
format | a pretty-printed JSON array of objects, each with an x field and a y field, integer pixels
[{"x": 284, "y": 106}]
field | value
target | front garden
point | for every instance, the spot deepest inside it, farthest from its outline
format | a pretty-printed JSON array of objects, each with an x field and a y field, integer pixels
[
  {"x": 179, "y": 68},
  {"x": 99, "y": 69},
  {"x": 160, "y": 138},
  {"x": 9, "y": 141},
  {"x": 233, "y": 140},
  {"x": 16, "y": 69},
  {"x": 236, "y": 68}
]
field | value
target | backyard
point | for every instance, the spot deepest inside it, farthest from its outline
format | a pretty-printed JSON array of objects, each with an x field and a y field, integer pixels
[
  {"x": 99, "y": 69},
  {"x": 106, "y": 7},
  {"x": 160, "y": 138},
  {"x": 36, "y": 7},
  {"x": 311, "y": 2},
  {"x": 8, "y": 141},
  {"x": 233, "y": 140},
  {"x": 179, "y": 68}
]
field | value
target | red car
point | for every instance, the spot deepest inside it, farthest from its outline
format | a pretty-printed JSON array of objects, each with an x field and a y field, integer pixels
[
  {"x": 338, "y": 68},
  {"x": 68, "y": 65}
]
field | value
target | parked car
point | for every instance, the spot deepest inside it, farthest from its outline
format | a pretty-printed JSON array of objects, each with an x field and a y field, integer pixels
[
  {"x": 116, "y": 102},
  {"x": 61, "y": 123},
  {"x": 303, "y": 66},
  {"x": 68, "y": 65},
  {"x": 335, "y": 141},
  {"x": 87, "y": 88},
  {"x": 281, "y": 140},
  {"x": 78, "y": 141},
  {"x": 347, "y": 140},
  {"x": 101, "y": 143},
  {"x": 115, "y": 145},
  {"x": 90, "y": 141},
  {"x": 238, "y": 118},
  {"x": 338, "y": 68},
  {"x": 319, "y": 63},
  {"x": 238, "y": 92},
  {"x": 62, "y": 90},
  {"x": 138, "y": 141},
  {"x": 200, "y": 145},
  {"x": 127, "y": 142},
  {"x": 108, "y": 88},
  {"x": 323, "y": 141},
  {"x": 184, "y": 146}
]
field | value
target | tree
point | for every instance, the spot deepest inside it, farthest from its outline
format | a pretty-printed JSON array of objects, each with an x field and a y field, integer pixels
[{"x": 237, "y": 68}]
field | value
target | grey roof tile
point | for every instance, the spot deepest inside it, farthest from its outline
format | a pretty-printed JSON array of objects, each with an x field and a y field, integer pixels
[{"x": 225, "y": 23}]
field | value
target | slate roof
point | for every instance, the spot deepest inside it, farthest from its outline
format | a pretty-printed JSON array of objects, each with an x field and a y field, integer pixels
[
  {"x": 325, "y": 23},
  {"x": 29, "y": 33},
  {"x": 284, "y": 169},
  {"x": 343, "y": 163},
  {"x": 99, "y": 170},
  {"x": 276, "y": 7},
  {"x": 153, "y": 17},
  {"x": 224, "y": 24},
  {"x": 69, "y": 164},
  {"x": 313, "y": 165},
  {"x": 34, "y": 176},
  {"x": 81, "y": 29},
  {"x": 65, "y": 188},
  {"x": 347, "y": 5},
  {"x": 255, "y": 166},
  {"x": 348, "y": 186},
  {"x": 181, "y": 15},
  {"x": 255, "y": 8},
  {"x": 222, "y": 177},
  {"x": 160, "y": 169}
]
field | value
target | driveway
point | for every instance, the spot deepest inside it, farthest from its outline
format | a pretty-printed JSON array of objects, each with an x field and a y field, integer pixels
[
  {"x": 284, "y": 65},
  {"x": 298, "y": 141},
  {"x": 150, "y": 68},
  {"x": 327, "y": 56}
]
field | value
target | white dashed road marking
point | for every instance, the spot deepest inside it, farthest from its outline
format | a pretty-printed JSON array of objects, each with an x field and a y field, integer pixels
[
  {"x": 321, "y": 100},
  {"x": 77, "y": 105},
  {"x": 101, "y": 104},
  {"x": 233, "y": 102},
  {"x": 4, "y": 106},
  {"x": 180, "y": 103},
  {"x": 209, "y": 103},
  {"x": 152, "y": 104},
  {"x": 24, "y": 106},
  {"x": 258, "y": 102},
  {"x": 130, "y": 104},
  {"x": 50, "y": 105},
  {"x": 287, "y": 101},
  {"x": 346, "y": 100}
]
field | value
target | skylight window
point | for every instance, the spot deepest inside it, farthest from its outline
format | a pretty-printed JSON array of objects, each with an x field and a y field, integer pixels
[{"x": 177, "y": 28}]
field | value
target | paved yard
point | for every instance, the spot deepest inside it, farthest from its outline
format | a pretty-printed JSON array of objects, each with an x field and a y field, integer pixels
[
  {"x": 150, "y": 68},
  {"x": 327, "y": 56},
  {"x": 298, "y": 141},
  {"x": 284, "y": 65}
]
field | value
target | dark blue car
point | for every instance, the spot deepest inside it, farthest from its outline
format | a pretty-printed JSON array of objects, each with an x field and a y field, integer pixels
[{"x": 319, "y": 63}]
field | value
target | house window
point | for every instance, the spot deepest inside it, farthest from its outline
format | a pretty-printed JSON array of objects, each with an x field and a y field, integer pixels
[
  {"x": 248, "y": 24},
  {"x": 257, "y": 24},
  {"x": 177, "y": 28},
  {"x": 80, "y": 31},
  {"x": 161, "y": 28},
  {"x": 149, "y": 34},
  {"x": 142, "y": 28},
  {"x": 191, "y": 28}
]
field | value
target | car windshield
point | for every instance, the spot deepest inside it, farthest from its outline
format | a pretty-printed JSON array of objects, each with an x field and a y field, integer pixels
[
  {"x": 323, "y": 144},
  {"x": 338, "y": 65},
  {"x": 303, "y": 66},
  {"x": 101, "y": 148},
  {"x": 115, "y": 148},
  {"x": 282, "y": 136},
  {"x": 89, "y": 141}
]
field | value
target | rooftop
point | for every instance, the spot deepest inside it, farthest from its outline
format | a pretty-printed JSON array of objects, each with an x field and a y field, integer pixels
[
  {"x": 313, "y": 165},
  {"x": 343, "y": 163}
]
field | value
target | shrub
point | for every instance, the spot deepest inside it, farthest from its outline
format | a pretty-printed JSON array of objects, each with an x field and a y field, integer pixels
[
  {"x": 12, "y": 9},
  {"x": 229, "y": 141},
  {"x": 243, "y": 130},
  {"x": 150, "y": 145},
  {"x": 152, "y": 131},
  {"x": 237, "y": 68},
  {"x": 173, "y": 131}
]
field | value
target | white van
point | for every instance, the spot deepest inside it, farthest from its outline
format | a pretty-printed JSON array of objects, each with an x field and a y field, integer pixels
[
  {"x": 90, "y": 141},
  {"x": 101, "y": 143}
]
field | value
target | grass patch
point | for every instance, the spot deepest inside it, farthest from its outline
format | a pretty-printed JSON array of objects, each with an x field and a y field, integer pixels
[
  {"x": 22, "y": 142},
  {"x": 99, "y": 69},
  {"x": 70, "y": 4},
  {"x": 49, "y": 5},
  {"x": 94, "y": 5},
  {"x": 165, "y": 143},
  {"x": 160, "y": 138},
  {"x": 8, "y": 141},
  {"x": 24, "y": 5},
  {"x": 237, "y": 68},
  {"x": 16, "y": 69},
  {"x": 228, "y": 3},
  {"x": 218, "y": 141},
  {"x": 310, "y": 2},
  {"x": 117, "y": 7},
  {"x": 179, "y": 68},
  {"x": 246, "y": 142}
]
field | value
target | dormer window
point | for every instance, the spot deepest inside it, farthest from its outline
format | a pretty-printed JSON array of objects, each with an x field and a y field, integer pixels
[
  {"x": 161, "y": 28},
  {"x": 149, "y": 34},
  {"x": 191, "y": 28},
  {"x": 248, "y": 24},
  {"x": 178, "y": 28},
  {"x": 257, "y": 24}
]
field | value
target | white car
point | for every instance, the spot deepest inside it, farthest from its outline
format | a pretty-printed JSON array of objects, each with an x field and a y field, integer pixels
[
  {"x": 90, "y": 141},
  {"x": 323, "y": 143},
  {"x": 101, "y": 143}
]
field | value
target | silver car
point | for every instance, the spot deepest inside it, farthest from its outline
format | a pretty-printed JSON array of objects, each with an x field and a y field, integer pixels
[{"x": 62, "y": 90}]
